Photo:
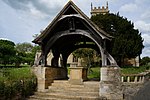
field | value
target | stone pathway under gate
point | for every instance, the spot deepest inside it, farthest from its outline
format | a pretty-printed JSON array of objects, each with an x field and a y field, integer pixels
[{"x": 62, "y": 90}]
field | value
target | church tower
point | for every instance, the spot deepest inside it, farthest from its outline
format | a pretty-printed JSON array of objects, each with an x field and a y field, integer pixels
[{"x": 100, "y": 10}]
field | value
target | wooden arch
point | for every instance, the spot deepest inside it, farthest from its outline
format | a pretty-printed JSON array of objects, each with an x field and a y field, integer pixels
[{"x": 72, "y": 26}]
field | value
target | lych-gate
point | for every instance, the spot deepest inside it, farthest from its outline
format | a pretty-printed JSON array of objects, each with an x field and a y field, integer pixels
[{"x": 64, "y": 35}]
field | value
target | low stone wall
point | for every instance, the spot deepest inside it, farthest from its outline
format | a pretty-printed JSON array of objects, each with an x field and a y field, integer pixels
[
  {"x": 133, "y": 83},
  {"x": 46, "y": 75},
  {"x": 135, "y": 78},
  {"x": 56, "y": 73}
]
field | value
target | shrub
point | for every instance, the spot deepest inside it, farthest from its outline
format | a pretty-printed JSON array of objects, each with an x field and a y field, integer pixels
[
  {"x": 18, "y": 84},
  {"x": 2, "y": 87}
]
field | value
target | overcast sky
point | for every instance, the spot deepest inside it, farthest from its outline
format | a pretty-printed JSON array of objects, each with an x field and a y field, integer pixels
[{"x": 21, "y": 19}]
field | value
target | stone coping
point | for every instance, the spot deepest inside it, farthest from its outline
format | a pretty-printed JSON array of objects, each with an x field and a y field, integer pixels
[
  {"x": 140, "y": 74},
  {"x": 79, "y": 67}
]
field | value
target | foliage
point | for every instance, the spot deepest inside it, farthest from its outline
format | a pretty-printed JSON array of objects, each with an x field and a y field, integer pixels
[
  {"x": 83, "y": 52},
  {"x": 7, "y": 51},
  {"x": 24, "y": 47},
  {"x": 19, "y": 58},
  {"x": 35, "y": 49},
  {"x": 145, "y": 61},
  {"x": 87, "y": 54},
  {"x": 26, "y": 52},
  {"x": 16, "y": 83},
  {"x": 134, "y": 70},
  {"x": 23, "y": 52},
  {"x": 95, "y": 73},
  {"x": 127, "y": 41}
]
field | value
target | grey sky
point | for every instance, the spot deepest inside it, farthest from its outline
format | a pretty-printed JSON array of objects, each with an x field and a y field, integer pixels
[{"x": 21, "y": 19}]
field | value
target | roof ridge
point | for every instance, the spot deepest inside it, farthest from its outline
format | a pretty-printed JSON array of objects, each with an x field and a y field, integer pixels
[{"x": 60, "y": 14}]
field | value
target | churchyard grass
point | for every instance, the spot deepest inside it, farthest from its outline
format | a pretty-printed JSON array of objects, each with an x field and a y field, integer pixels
[{"x": 95, "y": 71}]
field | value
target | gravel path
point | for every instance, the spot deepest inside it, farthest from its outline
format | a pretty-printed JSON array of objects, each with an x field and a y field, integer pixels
[{"x": 144, "y": 93}]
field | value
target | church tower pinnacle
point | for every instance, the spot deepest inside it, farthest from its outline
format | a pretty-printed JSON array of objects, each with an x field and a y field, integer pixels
[
  {"x": 100, "y": 10},
  {"x": 107, "y": 5},
  {"x": 91, "y": 6}
]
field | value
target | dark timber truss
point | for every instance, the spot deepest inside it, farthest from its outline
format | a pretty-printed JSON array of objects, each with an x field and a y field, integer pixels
[{"x": 65, "y": 34}]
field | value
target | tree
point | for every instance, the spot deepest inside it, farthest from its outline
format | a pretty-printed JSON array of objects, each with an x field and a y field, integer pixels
[
  {"x": 30, "y": 56},
  {"x": 24, "y": 47},
  {"x": 7, "y": 51},
  {"x": 145, "y": 61},
  {"x": 35, "y": 49},
  {"x": 127, "y": 41},
  {"x": 26, "y": 52},
  {"x": 22, "y": 50},
  {"x": 87, "y": 55}
]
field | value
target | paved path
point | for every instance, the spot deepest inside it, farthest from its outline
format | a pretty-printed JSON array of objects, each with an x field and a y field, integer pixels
[{"x": 144, "y": 93}]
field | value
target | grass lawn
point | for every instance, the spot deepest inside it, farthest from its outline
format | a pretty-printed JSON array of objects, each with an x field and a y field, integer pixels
[
  {"x": 94, "y": 73},
  {"x": 134, "y": 70},
  {"x": 15, "y": 73}
]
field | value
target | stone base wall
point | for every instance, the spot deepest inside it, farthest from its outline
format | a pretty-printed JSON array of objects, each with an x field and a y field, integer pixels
[
  {"x": 110, "y": 84},
  {"x": 46, "y": 75},
  {"x": 77, "y": 75}
]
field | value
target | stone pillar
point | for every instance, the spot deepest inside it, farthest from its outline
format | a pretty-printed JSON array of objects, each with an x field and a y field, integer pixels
[
  {"x": 77, "y": 75},
  {"x": 42, "y": 80},
  {"x": 110, "y": 84},
  {"x": 46, "y": 75}
]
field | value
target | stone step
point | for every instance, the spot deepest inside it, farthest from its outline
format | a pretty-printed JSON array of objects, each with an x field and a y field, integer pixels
[
  {"x": 67, "y": 85},
  {"x": 53, "y": 88},
  {"x": 63, "y": 90},
  {"x": 59, "y": 96},
  {"x": 34, "y": 97},
  {"x": 69, "y": 93},
  {"x": 94, "y": 94},
  {"x": 73, "y": 93},
  {"x": 92, "y": 83},
  {"x": 67, "y": 82},
  {"x": 62, "y": 83}
]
